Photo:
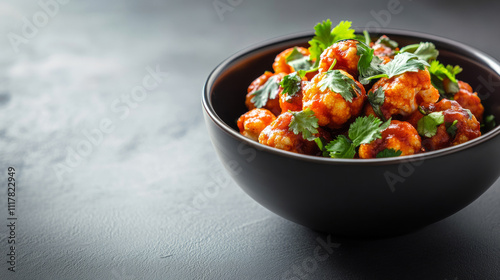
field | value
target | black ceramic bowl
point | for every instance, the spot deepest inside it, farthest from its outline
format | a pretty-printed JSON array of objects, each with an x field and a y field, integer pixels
[{"x": 354, "y": 197}]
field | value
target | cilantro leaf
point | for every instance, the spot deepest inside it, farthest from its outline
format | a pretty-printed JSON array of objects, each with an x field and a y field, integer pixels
[
  {"x": 377, "y": 99},
  {"x": 304, "y": 122},
  {"x": 341, "y": 148},
  {"x": 320, "y": 141},
  {"x": 366, "y": 129},
  {"x": 490, "y": 119},
  {"x": 451, "y": 128},
  {"x": 343, "y": 31},
  {"x": 323, "y": 32},
  {"x": 302, "y": 73},
  {"x": 298, "y": 61},
  {"x": 294, "y": 55},
  {"x": 427, "y": 125},
  {"x": 291, "y": 85},
  {"x": 339, "y": 83},
  {"x": 389, "y": 153},
  {"x": 368, "y": 64},
  {"x": 325, "y": 37},
  {"x": 367, "y": 37},
  {"x": 451, "y": 88},
  {"x": 488, "y": 124},
  {"x": 362, "y": 131},
  {"x": 315, "y": 51},
  {"x": 422, "y": 110},
  {"x": 439, "y": 73},
  {"x": 424, "y": 50},
  {"x": 268, "y": 91},
  {"x": 409, "y": 48},
  {"x": 438, "y": 69},
  {"x": 454, "y": 70},
  {"x": 403, "y": 62},
  {"x": 469, "y": 113},
  {"x": 384, "y": 40}
]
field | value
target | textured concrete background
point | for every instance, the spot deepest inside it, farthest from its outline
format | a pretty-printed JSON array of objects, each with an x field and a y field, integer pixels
[{"x": 116, "y": 177}]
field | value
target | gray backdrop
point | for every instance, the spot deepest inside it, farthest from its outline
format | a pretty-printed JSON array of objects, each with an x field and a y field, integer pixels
[{"x": 100, "y": 116}]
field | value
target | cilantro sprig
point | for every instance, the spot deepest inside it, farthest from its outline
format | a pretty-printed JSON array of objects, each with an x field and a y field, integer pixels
[
  {"x": 325, "y": 36},
  {"x": 298, "y": 61},
  {"x": 490, "y": 121},
  {"x": 341, "y": 147},
  {"x": 366, "y": 37},
  {"x": 291, "y": 85},
  {"x": 366, "y": 129},
  {"x": 451, "y": 128},
  {"x": 376, "y": 99},
  {"x": 402, "y": 63},
  {"x": 469, "y": 113},
  {"x": 440, "y": 73},
  {"x": 424, "y": 50},
  {"x": 339, "y": 83},
  {"x": 304, "y": 122},
  {"x": 488, "y": 124},
  {"x": 384, "y": 40},
  {"x": 389, "y": 153},
  {"x": 362, "y": 131},
  {"x": 268, "y": 91},
  {"x": 368, "y": 64},
  {"x": 427, "y": 125}
]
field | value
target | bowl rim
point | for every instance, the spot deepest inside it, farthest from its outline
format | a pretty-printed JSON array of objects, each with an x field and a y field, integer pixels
[{"x": 483, "y": 58}]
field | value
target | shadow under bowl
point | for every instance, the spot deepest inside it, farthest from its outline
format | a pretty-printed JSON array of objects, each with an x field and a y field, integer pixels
[{"x": 352, "y": 197}]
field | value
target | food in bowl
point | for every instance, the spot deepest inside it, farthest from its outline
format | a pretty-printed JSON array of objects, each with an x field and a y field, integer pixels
[
  {"x": 347, "y": 96},
  {"x": 351, "y": 197}
]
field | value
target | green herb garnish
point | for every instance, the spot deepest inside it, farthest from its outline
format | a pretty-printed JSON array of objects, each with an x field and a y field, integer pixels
[
  {"x": 291, "y": 85},
  {"x": 469, "y": 113},
  {"x": 424, "y": 50},
  {"x": 368, "y": 64},
  {"x": 402, "y": 63},
  {"x": 488, "y": 123},
  {"x": 325, "y": 36},
  {"x": 384, "y": 40},
  {"x": 341, "y": 148},
  {"x": 439, "y": 73},
  {"x": 304, "y": 122},
  {"x": 339, "y": 83},
  {"x": 451, "y": 128},
  {"x": 366, "y": 37},
  {"x": 389, "y": 153},
  {"x": 427, "y": 125},
  {"x": 298, "y": 61},
  {"x": 377, "y": 99},
  {"x": 362, "y": 131},
  {"x": 268, "y": 91}
]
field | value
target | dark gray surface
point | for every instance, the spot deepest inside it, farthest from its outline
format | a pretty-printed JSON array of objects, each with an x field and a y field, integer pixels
[{"x": 151, "y": 201}]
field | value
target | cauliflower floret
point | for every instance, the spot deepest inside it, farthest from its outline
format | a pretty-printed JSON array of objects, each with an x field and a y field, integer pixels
[
  {"x": 469, "y": 100},
  {"x": 254, "y": 121},
  {"x": 281, "y": 66},
  {"x": 291, "y": 103},
  {"x": 403, "y": 93},
  {"x": 346, "y": 54},
  {"x": 400, "y": 136},
  {"x": 331, "y": 108},
  {"x": 278, "y": 135},
  {"x": 273, "y": 104},
  {"x": 466, "y": 128}
]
